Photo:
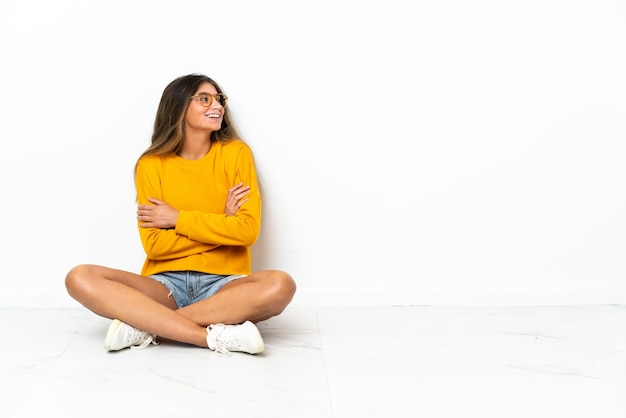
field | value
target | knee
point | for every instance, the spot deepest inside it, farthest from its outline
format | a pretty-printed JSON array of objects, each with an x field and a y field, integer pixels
[
  {"x": 77, "y": 280},
  {"x": 283, "y": 286}
]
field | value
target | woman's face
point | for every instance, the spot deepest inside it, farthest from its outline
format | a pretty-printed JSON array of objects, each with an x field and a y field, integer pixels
[{"x": 201, "y": 117}]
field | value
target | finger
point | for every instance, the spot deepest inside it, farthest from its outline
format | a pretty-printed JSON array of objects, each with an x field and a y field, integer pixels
[
  {"x": 144, "y": 212},
  {"x": 241, "y": 202},
  {"x": 155, "y": 201},
  {"x": 148, "y": 223},
  {"x": 241, "y": 193},
  {"x": 235, "y": 187}
]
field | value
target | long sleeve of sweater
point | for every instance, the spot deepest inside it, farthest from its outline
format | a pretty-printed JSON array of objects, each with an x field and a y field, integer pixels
[{"x": 205, "y": 238}]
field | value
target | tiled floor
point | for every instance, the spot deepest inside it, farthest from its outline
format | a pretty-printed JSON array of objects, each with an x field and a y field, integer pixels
[{"x": 504, "y": 362}]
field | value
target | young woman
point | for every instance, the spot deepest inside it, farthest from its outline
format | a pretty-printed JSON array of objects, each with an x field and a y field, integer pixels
[{"x": 199, "y": 212}]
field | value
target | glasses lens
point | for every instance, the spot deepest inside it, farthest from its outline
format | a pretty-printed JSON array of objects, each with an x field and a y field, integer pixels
[{"x": 204, "y": 99}]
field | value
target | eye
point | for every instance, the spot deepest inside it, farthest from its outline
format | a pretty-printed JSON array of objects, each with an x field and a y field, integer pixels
[{"x": 204, "y": 99}]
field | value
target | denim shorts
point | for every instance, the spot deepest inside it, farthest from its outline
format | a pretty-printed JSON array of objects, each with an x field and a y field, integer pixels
[{"x": 189, "y": 287}]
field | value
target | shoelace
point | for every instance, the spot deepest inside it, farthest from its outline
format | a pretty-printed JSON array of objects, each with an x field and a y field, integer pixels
[
  {"x": 223, "y": 344},
  {"x": 150, "y": 340},
  {"x": 135, "y": 335}
]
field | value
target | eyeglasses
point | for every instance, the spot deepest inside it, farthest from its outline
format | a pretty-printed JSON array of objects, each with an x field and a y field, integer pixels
[{"x": 206, "y": 99}]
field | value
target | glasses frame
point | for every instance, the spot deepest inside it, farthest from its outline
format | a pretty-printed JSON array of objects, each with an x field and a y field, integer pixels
[{"x": 223, "y": 102}]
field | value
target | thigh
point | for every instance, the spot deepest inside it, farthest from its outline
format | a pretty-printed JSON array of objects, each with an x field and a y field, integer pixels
[
  {"x": 264, "y": 279},
  {"x": 150, "y": 287},
  {"x": 266, "y": 293},
  {"x": 256, "y": 297}
]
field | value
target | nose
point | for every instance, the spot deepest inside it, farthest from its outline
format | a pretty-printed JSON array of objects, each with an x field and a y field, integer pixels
[{"x": 216, "y": 102}]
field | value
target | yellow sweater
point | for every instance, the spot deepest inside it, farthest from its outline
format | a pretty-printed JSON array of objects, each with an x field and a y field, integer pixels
[{"x": 204, "y": 239}]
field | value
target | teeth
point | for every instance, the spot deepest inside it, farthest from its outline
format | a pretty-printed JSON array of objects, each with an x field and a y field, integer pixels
[{"x": 213, "y": 115}]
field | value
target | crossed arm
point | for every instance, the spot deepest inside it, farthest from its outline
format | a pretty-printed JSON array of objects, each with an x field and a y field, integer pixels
[{"x": 159, "y": 214}]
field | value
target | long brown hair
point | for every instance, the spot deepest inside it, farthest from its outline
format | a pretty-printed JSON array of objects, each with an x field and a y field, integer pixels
[{"x": 168, "y": 134}]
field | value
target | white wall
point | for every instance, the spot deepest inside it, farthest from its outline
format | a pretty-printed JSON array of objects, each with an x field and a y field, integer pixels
[{"x": 412, "y": 152}]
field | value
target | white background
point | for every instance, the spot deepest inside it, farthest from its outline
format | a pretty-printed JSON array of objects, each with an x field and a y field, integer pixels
[{"x": 411, "y": 152}]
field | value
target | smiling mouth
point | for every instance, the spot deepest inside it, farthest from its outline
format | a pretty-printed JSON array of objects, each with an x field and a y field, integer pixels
[{"x": 213, "y": 115}]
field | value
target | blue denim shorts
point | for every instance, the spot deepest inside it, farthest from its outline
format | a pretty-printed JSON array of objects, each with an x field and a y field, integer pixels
[{"x": 189, "y": 287}]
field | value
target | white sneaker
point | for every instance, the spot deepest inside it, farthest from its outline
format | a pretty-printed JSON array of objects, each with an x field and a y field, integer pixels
[
  {"x": 122, "y": 335},
  {"x": 226, "y": 338}
]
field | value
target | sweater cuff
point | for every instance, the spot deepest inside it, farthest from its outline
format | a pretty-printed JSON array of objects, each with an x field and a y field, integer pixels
[{"x": 183, "y": 223}]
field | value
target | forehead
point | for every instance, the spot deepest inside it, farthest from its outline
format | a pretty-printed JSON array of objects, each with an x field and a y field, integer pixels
[{"x": 206, "y": 87}]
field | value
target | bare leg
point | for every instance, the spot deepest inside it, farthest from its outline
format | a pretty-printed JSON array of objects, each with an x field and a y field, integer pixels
[
  {"x": 255, "y": 298},
  {"x": 144, "y": 303},
  {"x": 136, "y": 300}
]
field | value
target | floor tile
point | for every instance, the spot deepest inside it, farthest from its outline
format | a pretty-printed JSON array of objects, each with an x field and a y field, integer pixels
[{"x": 402, "y": 361}]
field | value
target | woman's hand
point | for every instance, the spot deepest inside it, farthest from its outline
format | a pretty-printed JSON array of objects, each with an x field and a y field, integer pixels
[
  {"x": 236, "y": 197},
  {"x": 157, "y": 215}
]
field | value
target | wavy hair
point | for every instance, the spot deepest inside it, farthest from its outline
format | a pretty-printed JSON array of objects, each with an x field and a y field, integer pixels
[{"x": 168, "y": 134}]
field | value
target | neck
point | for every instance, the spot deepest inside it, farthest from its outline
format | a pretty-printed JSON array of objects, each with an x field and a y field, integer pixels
[{"x": 195, "y": 146}]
